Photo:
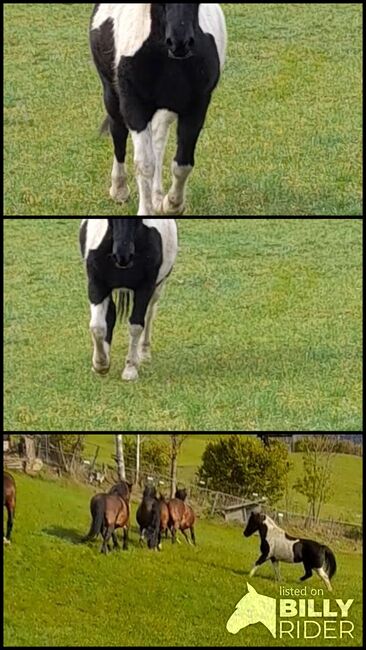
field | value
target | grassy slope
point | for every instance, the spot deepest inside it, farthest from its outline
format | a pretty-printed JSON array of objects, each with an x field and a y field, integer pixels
[
  {"x": 57, "y": 592},
  {"x": 260, "y": 329},
  {"x": 283, "y": 135}
]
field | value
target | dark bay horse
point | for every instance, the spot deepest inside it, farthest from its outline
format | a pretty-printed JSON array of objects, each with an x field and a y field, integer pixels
[
  {"x": 277, "y": 546},
  {"x": 110, "y": 512},
  {"x": 152, "y": 517},
  {"x": 9, "y": 503},
  {"x": 181, "y": 517}
]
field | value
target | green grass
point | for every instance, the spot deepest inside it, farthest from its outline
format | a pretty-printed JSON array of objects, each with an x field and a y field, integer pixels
[
  {"x": 283, "y": 134},
  {"x": 59, "y": 592},
  {"x": 260, "y": 329}
]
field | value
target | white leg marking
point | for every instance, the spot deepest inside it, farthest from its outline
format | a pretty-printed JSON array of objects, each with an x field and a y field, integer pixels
[
  {"x": 175, "y": 202},
  {"x": 98, "y": 328},
  {"x": 253, "y": 571},
  {"x": 119, "y": 191},
  {"x": 160, "y": 132},
  {"x": 145, "y": 168},
  {"x": 323, "y": 575},
  {"x": 130, "y": 372}
]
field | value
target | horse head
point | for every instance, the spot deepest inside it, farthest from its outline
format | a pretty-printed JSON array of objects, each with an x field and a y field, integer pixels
[
  {"x": 256, "y": 519},
  {"x": 124, "y": 233},
  {"x": 181, "y": 29}
]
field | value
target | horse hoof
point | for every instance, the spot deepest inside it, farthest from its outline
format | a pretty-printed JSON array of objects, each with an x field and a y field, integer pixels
[
  {"x": 171, "y": 208},
  {"x": 130, "y": 373},
  {"x": 145, "y": 355},
  {"x": 7, "y": 542},
  {"x": 101, "y": 370},
  {"x": 120, "y": 194}
]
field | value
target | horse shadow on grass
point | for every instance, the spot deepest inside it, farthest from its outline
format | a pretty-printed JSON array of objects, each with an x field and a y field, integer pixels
[
  {"x": 76, "y": 538},
  {"x": 221, "y": 567}
]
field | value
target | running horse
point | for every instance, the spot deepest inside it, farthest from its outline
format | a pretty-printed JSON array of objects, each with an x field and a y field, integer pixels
[
  {"x": 181, "y": 517},
  {"x": 9, "y": 504},
  {"x": 157, "y": 63},
  {"x": 134, "y": 257},
  {"x": 152, "y": 518},
  {"x": 277, "y": 546},
  {"x": 110, "y": 512}
]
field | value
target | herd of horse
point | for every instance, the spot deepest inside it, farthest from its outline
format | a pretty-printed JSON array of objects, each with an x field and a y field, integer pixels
[{"x": 157, "y": 516}]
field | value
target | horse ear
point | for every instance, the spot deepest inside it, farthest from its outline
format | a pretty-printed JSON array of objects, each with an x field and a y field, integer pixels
[{"x": 251, "y": 589}]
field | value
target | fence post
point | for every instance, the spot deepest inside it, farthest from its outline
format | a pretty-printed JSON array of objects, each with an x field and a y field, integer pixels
[{"x": 214, "y": 504}]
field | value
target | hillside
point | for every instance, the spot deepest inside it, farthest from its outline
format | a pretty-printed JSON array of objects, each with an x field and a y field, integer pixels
[
  {"x": 345, "y": 503},
  {"x": 60, "y": 592}
]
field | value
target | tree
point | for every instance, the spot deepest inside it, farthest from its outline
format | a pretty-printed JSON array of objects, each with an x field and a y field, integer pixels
[
  {"x": 120, "y": 457},
  {"x": 316, "y": 483},
  {"x": 150, "y": 456},
  {"x": 242, "y": 465},
  {"x": 176, "y": 445}
]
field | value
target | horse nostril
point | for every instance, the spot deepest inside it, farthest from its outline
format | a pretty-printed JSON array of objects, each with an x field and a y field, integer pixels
[
  {"x": 191, "y": 42},
  {"x": 169, "y": 43}
]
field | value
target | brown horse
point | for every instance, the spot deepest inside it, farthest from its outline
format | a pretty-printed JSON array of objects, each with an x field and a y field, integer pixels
[
  {"x": 109, "y": 512},
  {"x": 181, "y": 517},
  {"x": 9, "y": 503}
]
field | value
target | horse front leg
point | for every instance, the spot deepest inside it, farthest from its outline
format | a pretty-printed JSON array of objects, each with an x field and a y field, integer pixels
[
  {"x": 103, "y": 319},
  {"x": 189, "y": 129},
  {"x": 145, "y": 169},
  {"x": 262, "y": 560},
  {"x": 160, "y": 132},
  {"x": 137, "y": 324},
  {"x": 145, "y": 352}
]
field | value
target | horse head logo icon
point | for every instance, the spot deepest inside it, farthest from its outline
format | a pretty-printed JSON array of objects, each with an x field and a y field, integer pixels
[{"x": 253, "y": 608}]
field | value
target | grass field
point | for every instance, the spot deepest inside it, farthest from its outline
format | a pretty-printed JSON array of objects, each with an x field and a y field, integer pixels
[
  {"x": 283, "y": 135},
  {"x": 59, "y": 592},
  {"x": 260, "y": 329}
]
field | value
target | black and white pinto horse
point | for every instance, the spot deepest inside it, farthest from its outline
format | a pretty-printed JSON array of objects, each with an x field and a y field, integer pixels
[
  {"x": 278, "y": 546},
  {"x": 134, "y": 256},
  {"x": 157, "y": 62}
]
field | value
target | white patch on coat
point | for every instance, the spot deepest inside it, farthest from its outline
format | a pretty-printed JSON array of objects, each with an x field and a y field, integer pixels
[
  {"x": 212, "y": 21},
  {"x": 95, "y": 233},
  {"x": 280, "y": 547},
  {"x": 132, "y": 25},
  {"x": 169, "y": 236}
]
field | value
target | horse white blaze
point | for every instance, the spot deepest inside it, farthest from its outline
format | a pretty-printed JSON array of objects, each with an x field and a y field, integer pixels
[
  {"x": 145, "y": 169},
  {"x": 119, "y": 189},
  {"x": 98, "y": 328}
]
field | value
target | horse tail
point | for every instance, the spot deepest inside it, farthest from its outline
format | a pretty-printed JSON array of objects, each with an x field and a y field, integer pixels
[
  {"x": 98, "y": 511},
  {"x": 123, "y": 304},
  {"x": 330, "y": 565},
  {"x": 154, "y": 528}
]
